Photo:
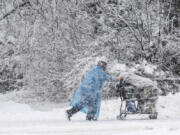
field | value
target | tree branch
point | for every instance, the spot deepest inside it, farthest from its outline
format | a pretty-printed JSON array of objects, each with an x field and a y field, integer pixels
[{"x": 13, "y": 10}]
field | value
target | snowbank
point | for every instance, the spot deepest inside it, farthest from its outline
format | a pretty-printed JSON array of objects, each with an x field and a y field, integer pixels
[
  {"x": 11, "y": 111},
  {"x": 20, "y": 119},
  {"x": 168, "y": 108}
]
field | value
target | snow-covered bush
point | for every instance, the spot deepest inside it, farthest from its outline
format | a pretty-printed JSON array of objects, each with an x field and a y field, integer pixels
[{"x": 11, "y": 76}]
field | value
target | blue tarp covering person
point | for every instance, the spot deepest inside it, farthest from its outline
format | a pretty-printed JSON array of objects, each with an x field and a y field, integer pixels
[{"x": 87, "y": 98}]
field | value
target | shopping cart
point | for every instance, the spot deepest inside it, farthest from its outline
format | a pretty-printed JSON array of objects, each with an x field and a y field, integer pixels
[{"x": 136, "y": 100}]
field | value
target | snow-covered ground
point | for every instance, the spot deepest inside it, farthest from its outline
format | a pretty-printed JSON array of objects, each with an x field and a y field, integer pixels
[{"x": 20, "y": 119}]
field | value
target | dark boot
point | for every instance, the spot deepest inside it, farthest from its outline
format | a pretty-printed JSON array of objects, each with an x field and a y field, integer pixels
[
  {"x": 90, "y": 118},
  {"x": 71, "y": 112},
  {"x": 68, "y": 115}
]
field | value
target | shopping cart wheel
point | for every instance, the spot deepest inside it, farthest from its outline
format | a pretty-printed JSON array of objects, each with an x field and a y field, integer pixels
[
  {"x": 121, "y": 117},
  {"x": 153, "y": 116}
]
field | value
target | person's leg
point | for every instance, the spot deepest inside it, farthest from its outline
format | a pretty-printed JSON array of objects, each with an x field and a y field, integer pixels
[
  {"x": 74, "y": 110},
  {"x": 77, "y": 107},
  {"x": 92, "y": 107}
]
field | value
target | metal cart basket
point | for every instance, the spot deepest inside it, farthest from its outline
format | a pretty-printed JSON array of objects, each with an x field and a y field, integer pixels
[{"x": 142, "y": 99}]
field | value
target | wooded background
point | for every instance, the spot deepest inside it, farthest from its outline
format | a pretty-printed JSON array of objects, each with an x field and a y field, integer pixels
[{"x": 46, "y": 46}]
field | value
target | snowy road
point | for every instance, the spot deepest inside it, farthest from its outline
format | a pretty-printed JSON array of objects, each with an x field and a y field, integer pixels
[
  {"x": 109, "y": 127},
  {"x": 20, "y": 119}
]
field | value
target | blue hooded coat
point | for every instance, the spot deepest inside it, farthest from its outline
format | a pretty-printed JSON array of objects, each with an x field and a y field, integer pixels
[{"x": 90, "y": 90}]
